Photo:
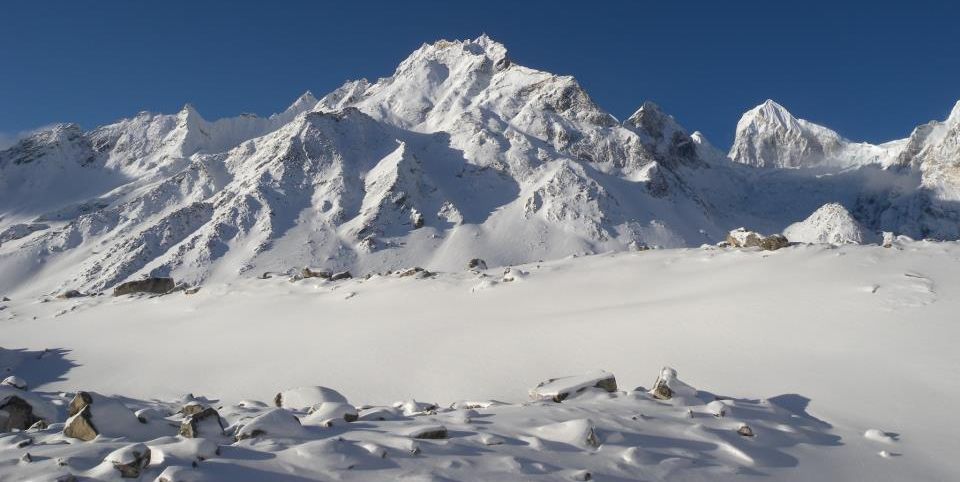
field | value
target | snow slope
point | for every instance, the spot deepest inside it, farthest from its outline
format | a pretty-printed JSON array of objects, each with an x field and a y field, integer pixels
[{"x": 846, "y": 339}]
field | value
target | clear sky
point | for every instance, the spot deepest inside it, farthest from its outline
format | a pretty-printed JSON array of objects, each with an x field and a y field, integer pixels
[{"x": 871, "y": 70}]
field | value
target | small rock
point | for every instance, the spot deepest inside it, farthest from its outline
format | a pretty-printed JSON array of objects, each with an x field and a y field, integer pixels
[
  {"x": 415, "y": 271},
  {"x": 745, "y": 430},
  {"x": 477, "y": 264},
  {"x": 66, "y": 295},
  {"x": 148, "y": 285},
  {"x": 191, "y": 291},
  {"x": 26, "y": 458},
  {"x": 15, "y": 382},
  {"x": 430, "y": 432},
  {"x": 130, "y": 461},
  {"x": 581, "y": 475},
  {"x": 341, "y": 275}
]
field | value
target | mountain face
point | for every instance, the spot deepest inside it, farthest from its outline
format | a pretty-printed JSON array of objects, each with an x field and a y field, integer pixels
[{"x": 461, "y": 153}]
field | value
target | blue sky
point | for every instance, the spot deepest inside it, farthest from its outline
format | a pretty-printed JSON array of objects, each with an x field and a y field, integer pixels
[{"x": 870, "y": 70}]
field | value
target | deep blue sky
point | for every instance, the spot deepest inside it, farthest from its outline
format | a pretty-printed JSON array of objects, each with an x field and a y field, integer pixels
[{"x": 870, "y": 70}]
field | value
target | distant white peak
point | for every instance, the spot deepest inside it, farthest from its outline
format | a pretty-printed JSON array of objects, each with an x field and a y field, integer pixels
[
  {"x": 769, "y": 112},
  {"x": 303, "y": 103}
]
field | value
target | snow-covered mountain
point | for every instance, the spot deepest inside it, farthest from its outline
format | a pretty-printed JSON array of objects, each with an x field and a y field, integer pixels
[{"x": 461, "y": 153}]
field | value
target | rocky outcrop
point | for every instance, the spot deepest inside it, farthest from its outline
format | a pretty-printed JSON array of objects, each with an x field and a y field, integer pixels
[
  {"x": 744, "y": 238},
  {"x": 149, "y": 285},
  {"x": 560, "y": 389}
]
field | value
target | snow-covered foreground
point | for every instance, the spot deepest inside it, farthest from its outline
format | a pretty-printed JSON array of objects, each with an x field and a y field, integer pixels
[{"x": 831, "y": 356}]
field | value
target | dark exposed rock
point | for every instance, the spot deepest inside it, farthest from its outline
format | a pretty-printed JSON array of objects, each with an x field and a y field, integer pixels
[
  {"x": 16, "y": 414},
  {"x": 745, "y": 431},
  {"x": 148, "y": 285},
  {"x": 477, "y": 264},
  {"x": 773, "y": 242},
  {"x": 66, "y": 295},
  {"x": 205, "y": 423},
  {"x": 341, "y": 275}
]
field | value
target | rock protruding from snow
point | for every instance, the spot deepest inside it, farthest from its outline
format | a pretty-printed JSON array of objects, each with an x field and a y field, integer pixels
[
  {"x": 130, "y": 461},
  {"x": 20, "y": 409},
  {"x": 205, "y": 423},
  {"x": 669, "y": 387},
  {"x": 92, "y": 414},
  {"x": 560, "y": 389},
  {"x": 744, "y": 238},
  {"x": 830, "y": 224},
  {"x": 148, "y": 285}
]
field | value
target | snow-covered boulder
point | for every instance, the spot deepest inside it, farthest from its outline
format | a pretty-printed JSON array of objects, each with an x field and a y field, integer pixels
[
  {"x": 92, "y": 414},
  {"x": 327, "y": 413},
  {"x": 669, "y": 387},
  {"x": 579, "y": 433},
  {"x": 15, "y": 382},
  {"x": 560, "y": 389},
  {"x": 830, "y": 224},
  {"x": 276, "y": 423},
  {"x": 303, "y": 398},
  {"x": 130, "y": 461}
]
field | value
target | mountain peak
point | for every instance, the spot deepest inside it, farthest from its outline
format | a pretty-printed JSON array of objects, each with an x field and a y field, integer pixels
[{"x": 769, "y": 112}]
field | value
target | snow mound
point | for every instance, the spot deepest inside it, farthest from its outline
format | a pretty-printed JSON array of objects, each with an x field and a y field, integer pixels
[{"x": 831, "y": 224}]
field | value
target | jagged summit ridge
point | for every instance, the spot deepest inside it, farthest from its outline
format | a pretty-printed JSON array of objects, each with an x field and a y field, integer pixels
[{"x": 459, "y": 154}]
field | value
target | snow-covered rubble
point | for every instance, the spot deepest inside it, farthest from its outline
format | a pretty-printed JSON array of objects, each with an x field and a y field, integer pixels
[{"x": 595, "y": 435}]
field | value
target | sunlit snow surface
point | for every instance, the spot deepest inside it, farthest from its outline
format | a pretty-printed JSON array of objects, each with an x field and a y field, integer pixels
[{"x": 842, "y": 362}]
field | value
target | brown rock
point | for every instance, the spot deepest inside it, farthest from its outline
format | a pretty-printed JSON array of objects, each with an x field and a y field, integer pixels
[
  {"x": 80, "y": 426},
  {"x": 148, "y": 285}
]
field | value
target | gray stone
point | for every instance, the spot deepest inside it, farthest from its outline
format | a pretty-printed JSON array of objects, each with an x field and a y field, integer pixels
[{"x": 148, "y": 285}]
